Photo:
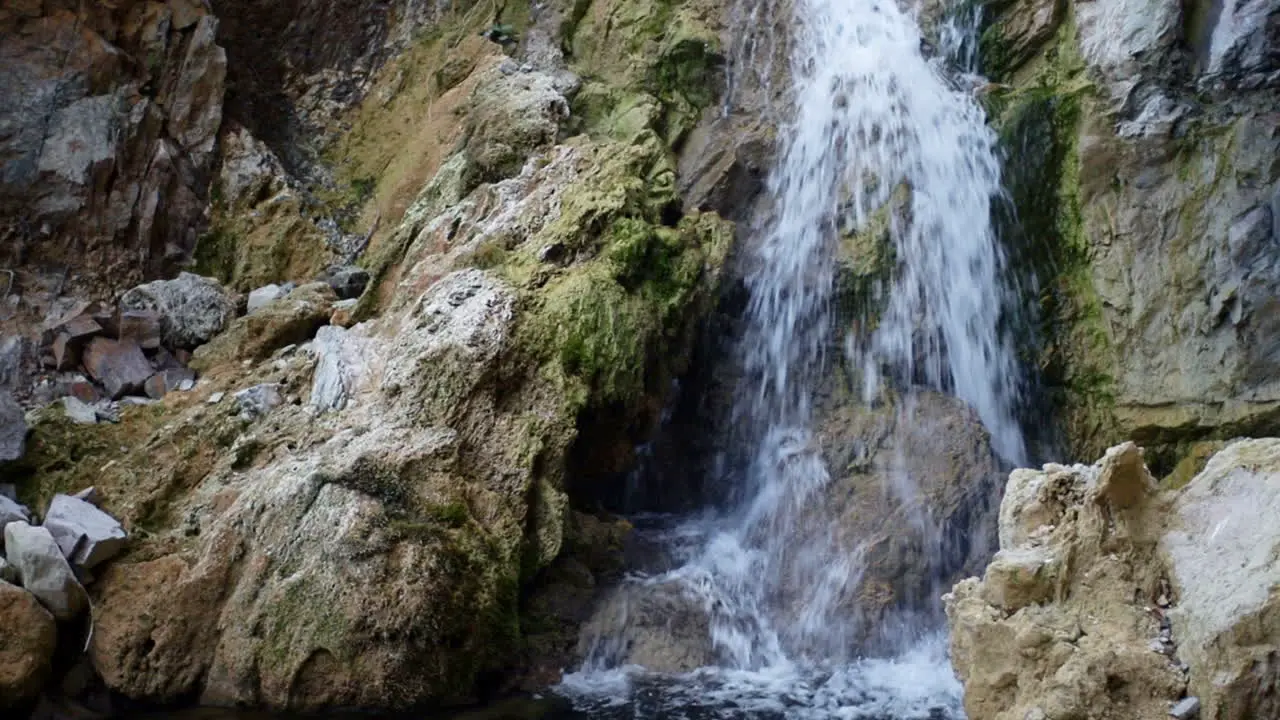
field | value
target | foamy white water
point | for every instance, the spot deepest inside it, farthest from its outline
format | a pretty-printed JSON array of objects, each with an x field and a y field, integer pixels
[{"x": 872, "y": 115}]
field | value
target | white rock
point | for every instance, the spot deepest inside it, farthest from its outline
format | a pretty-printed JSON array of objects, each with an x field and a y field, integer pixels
[
  {"x": 43, "y": 570},
  {"x": 187, "y": 385},
  {"x": 78, "y": 411},
  {"x": 258, "y": 400},
  {"x": 264, "y": 295},
  {"x": 216, "y": 398},
  {"x": 11, "y": 511},
  {"x": 1186, "y": 708},
  {"x": 87, "y": 536},
  {"x": 338, "y": 367}
]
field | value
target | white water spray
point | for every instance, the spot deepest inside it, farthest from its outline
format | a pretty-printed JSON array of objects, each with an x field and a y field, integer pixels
[{"x": 874, "y": 119}]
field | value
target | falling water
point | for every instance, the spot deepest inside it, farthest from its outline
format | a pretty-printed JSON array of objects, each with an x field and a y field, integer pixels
[{"x": 878, "y": 130}]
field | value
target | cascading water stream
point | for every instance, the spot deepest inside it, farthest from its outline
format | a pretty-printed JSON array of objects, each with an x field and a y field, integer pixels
[{"x": 877, "y": 131}]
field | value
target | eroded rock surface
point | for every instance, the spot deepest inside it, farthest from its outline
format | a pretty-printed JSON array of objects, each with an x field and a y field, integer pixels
[
  {"x": 27, "y": 651},
  {"x": 1110, "y": 598}
]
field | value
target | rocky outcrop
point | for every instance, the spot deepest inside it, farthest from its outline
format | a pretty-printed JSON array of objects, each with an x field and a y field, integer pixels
[
  {"x": 109, "y": 141},
  {"x": 1108, "y": 598},
  {"x": 1140, "y": 140}
]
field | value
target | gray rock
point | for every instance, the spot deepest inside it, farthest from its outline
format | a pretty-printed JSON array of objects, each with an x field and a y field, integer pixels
[
  {"x": 13, "y": 428},
  {"x": 347, "y": 281},
  {"x": 216, "y": 398},
  {"x": 8, "y": 573},
  {"x": 86, "y": 535},
  {"x": 43, "y": 570},
  {"x": 338, "y": 366},
  {"x": 118, "y": 364},
  {"x": 192, "y": 308},
  {"x": 264, "y": 295},
  {"x": 90, "y": 495},
  {"x": 258, "y": 400},
  {"x": 166, "y": 381},
  {"x": 12, "y": 511},
  {"x": 1186, "y": 708},
  {"x": 9, "y": 490},
  {"x": 79, "y": 412}
]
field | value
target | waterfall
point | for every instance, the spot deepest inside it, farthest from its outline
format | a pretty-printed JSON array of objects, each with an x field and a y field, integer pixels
[{"x": 877, "y": 130}]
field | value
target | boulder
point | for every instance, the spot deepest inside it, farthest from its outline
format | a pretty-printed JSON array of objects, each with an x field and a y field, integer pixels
[
  {"x": 661, "y": 627},
  {"x": 118, "y": 364},
  {"x": 192, "y": 308},
  {"x": 1222, "y": 549},
  {"x": 13, "y": 428},
  {"x": 26, "y": 654},
  {"x": 348, "y": 281},
  {"x": 86, "y": 535},
  {"x": 44, "y": 571},
  {"x": 265, "y": 294},
  {"x": 1065, "y": 621}
]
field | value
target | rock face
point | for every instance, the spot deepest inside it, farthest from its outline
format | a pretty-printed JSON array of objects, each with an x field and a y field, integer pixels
[
  {"x": 27, "y": 651},
  {"x": 109, "y": 138},
  {"x": 1141, "y": 138},
  {"x": 1108, "y": 598}
]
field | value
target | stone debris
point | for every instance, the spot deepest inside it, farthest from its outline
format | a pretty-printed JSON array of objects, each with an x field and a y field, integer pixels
[
  {"x": 1186, "y": 708},
  {"x": 44, "y": 571},
  {"x": 192, "y": 308},
  {"x": 258, "y": 400},
  {"x": 13, "y": 428},
  {"x": 86, "y": 535},
  {"x": 216, "y": 398},
  {"x": 118, "y": 364},
  {"x": 79, "y": 412}
]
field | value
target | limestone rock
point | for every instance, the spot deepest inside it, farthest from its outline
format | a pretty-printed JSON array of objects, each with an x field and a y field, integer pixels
[
  {"x": 250, "y": 170},
  {"x": 1222, "y": 547},
  {"x": 86, "y": 535},
  {"x": 192, "y": 308},
  {"x": 43, "y": 569},
  {"x": 118, "y": 364},
  {"x": 13, "y": 428},
  {"x": 1061, "y": 623},
  {"x": 258, "y": 400},
  {"x": 264, "y": 295},
  {"x": 12, "y": 511},
  {"x": 338, "y": 365},
  {"x": 78, "y": 411},
  {"x": 26, "y": 655},
  {"x": 511, "y": 114}
]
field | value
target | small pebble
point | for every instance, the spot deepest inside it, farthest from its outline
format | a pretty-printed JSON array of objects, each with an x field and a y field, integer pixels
[
  {"x": 216, "y": 398},
  {"x": 1186, "y": 708}
]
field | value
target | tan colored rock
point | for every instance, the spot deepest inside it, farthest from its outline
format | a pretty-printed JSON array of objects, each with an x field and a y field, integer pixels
[
  {"x": 1062, "y": 623},
  {"x": 26, "y": 654}
]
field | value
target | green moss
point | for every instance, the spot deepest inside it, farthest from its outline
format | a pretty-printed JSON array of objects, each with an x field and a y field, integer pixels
[{"x": 215, "y": 254}]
